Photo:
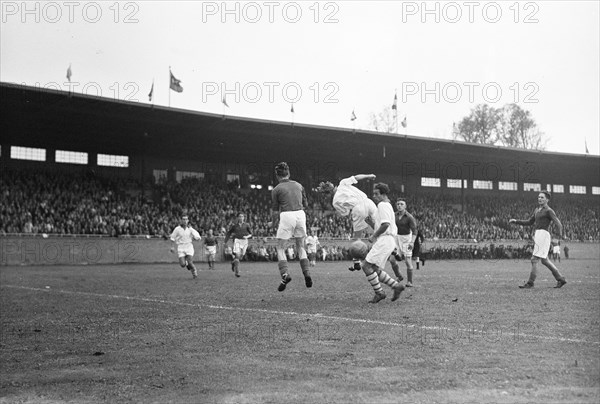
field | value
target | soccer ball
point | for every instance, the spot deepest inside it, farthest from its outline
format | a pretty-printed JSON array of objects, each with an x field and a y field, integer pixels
[{"x": 358, "y": 249}]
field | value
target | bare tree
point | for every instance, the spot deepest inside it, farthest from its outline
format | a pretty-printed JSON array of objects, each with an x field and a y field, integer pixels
[{"x": 383, "y": 121}]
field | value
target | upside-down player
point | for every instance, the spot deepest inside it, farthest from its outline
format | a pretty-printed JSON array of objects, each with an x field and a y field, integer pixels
[{"x": 348, "y": 199}]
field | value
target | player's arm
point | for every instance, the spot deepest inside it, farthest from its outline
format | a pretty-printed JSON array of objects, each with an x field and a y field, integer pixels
[
  {"x": 412, "y": 223},
  {"x": 359, "y": 177},
  {"x": 556, "y": 222},
  {"x": 528, "y": 222},
  {"x": 249, "y": 230},
  {"x": 380, "y": 230},
  {"x": 274, "y": 209},
  {"x": 173, "y": 238}
]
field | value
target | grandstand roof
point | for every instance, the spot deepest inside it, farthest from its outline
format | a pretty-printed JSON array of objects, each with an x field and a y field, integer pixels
[{"x": 35, "y": 117}]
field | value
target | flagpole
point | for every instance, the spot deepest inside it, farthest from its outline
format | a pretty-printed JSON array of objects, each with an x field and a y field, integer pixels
[{"x": 169, "y": 86}]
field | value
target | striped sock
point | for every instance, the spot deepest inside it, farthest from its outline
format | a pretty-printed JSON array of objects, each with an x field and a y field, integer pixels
[
  {"x": 385, "y": 278},
  {"x": 374, "y": 281}
]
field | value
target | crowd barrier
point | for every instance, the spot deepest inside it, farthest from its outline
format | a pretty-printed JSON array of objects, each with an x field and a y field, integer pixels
[{"x": 91, "y": 250}]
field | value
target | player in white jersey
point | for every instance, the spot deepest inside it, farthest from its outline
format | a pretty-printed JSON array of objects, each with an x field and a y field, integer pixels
[
  {"x": 312, "y": 241},
  {"x": 384, "y": 239},
  {"x": 182, "y": 238},
  {"x": 349, "y": 200}
]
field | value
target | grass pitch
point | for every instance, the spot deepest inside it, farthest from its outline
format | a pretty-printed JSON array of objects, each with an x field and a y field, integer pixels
[{"x": 149, "y": 333}]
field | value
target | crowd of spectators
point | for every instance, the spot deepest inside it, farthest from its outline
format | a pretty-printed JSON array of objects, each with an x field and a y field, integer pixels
[{"x": 43, "y": 202}]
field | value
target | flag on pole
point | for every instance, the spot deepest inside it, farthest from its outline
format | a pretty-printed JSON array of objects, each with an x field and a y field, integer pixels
[
  {"x": 175, "y": 84},
  {"x": 586, "y": 148},
  {"x": 395, "y": 104},
  {"x": 353, "y": 116},
  {"x": 151, "y": 93},
  {"x": 224, "y": 101},
  {"x": 292, "y": 110},
  {"x": 69, "y": 73},
  {"x": 403, "y": 123}
]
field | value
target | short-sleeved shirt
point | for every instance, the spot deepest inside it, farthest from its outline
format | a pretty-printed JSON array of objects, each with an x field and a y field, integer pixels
[
  {"x": 238, "y": 231},
  {"x": 385, "y": 214},
  {"x": 288, "y": 196}
]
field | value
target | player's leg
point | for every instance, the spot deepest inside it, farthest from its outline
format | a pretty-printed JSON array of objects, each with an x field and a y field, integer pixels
[
  {"x": 375, "y": 260},
  {"x": 396, "y": 268},
  {"x": 532, "y": 275},
  {"x": 190, "y": 265},
  {"x": 284, "y": 233},
  {"x": 560, "y": 280},
  {"x": 182, "y": 261},
  {"x": 300, "y": 236}
]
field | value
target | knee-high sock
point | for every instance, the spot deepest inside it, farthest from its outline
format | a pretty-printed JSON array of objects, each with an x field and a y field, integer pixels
[
  {"x": 374, "y": 281},
  {"x": 304, "y": 264},
  {"x": 396, "y": 269},
  {"x": 283, "y": 267},
  {"x": 385, "y": 278}
]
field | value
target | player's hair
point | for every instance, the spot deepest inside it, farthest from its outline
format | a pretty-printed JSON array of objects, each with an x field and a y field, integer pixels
[
  {"x": 401, "y": 200},
  {"x": 547, "y": 193},
  {"x": 282, "y": 169},
  {"x": 382, "y": 187},
  {"x": 325, "y": 187}
]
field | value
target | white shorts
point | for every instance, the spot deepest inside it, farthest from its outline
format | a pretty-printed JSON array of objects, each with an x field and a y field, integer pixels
[
  {"x": 541, "y": 243},
  {"x": 556, "y": 249},
  {"x": 184, "y": 250},
  {"x": 291, "y": 224},
  {"x": 360, "y": 212},
  {"x": 404, "y": 244},
  {"x": 381, "y": 250},
  {"x": 239, "y": 247},
  {"x": 311, "y": 249},
  {"x": 211, "y": 249}
]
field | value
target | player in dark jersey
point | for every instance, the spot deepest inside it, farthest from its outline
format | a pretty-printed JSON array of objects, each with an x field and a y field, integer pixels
[
  {"x": 417, "y": 255},
  {"x": 241, "y": 232},
  {"x": 210, "y": 248},
  {"x": 543, "y": 216},
  {"x": 288, "y": 202},
  {"x": 405, "y": 240}
]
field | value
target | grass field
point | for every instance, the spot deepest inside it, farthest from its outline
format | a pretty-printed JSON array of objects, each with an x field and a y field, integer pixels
[{"x": 149, "y": 333}]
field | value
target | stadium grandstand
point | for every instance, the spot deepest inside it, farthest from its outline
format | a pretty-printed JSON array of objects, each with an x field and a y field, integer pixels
[{"x": 74, "y": 164}]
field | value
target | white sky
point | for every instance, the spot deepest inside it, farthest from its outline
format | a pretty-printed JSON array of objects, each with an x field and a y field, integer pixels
[{"x": 356, "y": 61}]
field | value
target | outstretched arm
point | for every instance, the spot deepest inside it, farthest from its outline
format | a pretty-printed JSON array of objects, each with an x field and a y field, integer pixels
[{"x": 364, "y": 176}]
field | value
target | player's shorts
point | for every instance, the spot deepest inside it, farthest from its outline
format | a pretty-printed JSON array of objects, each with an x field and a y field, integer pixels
[
  {"x": 239, "y": 247},
  {"x": 360, "y": 212},
  {"x": 185, "y": 250},
  {"x": 211, "y": 249},
  {"x": 541, "y": 246},
  {"x": 311, "y": 249},
  {"x": 404, "y": 244},
  {"x": 381, "y": 250},
  {"x": 556, "y": 249},
  {"x": 291, "y": 224}
]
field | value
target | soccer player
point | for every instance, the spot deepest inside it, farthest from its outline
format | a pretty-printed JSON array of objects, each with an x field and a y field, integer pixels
[
  {"x": 288, "y": 201},
  {"x": 210, "y": 247},
  {"x": 241, "y": 232},
  {"x": 407, "y": 233},
  {"x": 182, "y": 238},
  {"x": 416, "y": 253},
  {"x": 556, "y": 251},
  {"x": 384, "y": 239},
  {"x": 348, "y": 199},
  {"x": 312, "y": 241},
  {"x": 542, "y": 218}
]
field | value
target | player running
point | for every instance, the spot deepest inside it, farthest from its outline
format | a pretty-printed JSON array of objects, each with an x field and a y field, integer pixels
[{"x": 182, "y": 238}]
